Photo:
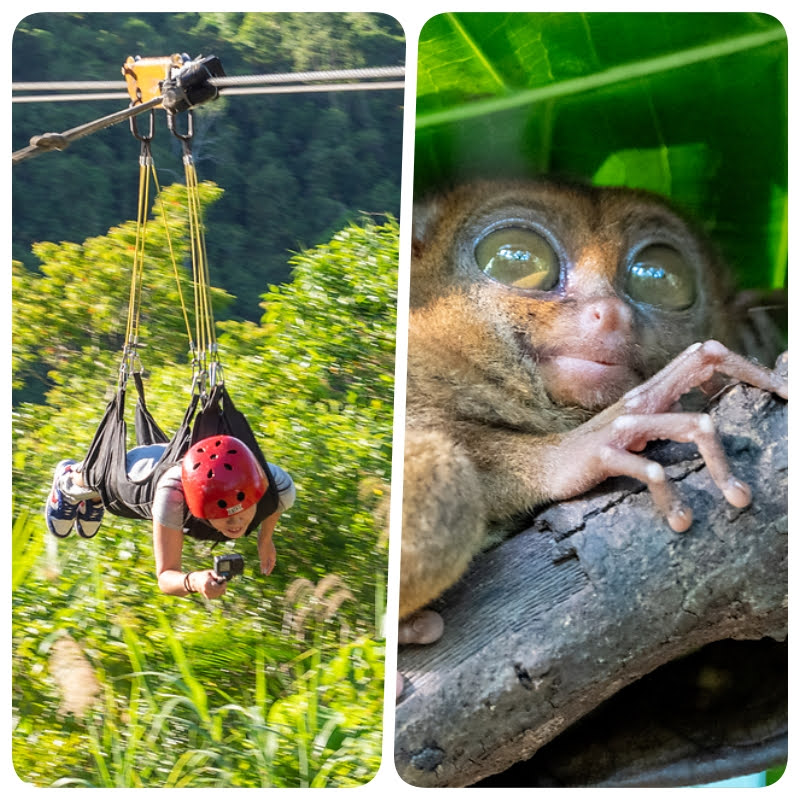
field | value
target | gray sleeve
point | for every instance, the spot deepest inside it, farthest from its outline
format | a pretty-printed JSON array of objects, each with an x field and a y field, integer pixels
[
  {"x": 168, "y": 501},
  {"x": 285, "y": 486}
]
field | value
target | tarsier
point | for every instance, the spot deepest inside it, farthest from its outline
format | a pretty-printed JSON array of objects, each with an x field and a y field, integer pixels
[{"x": 553, "y": 328}]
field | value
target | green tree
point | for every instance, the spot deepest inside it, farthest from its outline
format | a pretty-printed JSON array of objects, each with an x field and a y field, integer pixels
[
  {"x": 82, "y": 291},
  {"x": 323, "y": 361}
]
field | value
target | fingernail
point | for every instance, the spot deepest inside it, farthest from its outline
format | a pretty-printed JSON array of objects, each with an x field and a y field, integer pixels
[
  {"x": 738, "y": 493},
  {"x": 680, "y": 519}
]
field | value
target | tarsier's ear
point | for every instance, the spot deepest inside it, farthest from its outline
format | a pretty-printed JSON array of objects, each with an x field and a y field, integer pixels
[{"x": 426, "y": 212}]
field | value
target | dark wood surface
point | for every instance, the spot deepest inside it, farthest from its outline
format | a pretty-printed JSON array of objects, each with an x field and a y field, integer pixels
[{"x": 549, "y": 627}]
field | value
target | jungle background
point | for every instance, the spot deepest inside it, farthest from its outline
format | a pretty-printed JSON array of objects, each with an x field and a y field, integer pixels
[{"x": 279, "y": 683}]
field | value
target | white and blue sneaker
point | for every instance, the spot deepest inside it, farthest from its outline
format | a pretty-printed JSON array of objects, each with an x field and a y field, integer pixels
[
  {"x": 90, "y": 515},
  {"x": 60, "y": 513}
]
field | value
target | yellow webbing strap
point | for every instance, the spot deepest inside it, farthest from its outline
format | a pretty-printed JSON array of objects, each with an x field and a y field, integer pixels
[
  {"x": 147, "y": 172},
  {"x": 175, "y": 267},
  {"x": 204, "y": 317},
  {"x": 135, "y": 296}
]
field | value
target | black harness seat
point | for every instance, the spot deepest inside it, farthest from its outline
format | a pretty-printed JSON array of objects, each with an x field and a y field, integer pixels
[{"x": 105, "y": 467}]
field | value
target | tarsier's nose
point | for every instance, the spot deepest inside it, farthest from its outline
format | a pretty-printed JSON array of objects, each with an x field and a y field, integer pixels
[{"x": 602, "y": 315}]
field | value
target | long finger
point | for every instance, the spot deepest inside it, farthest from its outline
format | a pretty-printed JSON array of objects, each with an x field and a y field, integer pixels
[
  {"x": 684, "y": 427},
  {"x": 693, "y": 367},
  {"x": 620, "y": 462}
]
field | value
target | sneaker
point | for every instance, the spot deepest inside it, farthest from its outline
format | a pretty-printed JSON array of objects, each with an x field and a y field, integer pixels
[
  {"x": 59, "y": 512},
  {"x": 90, "y": 515}
]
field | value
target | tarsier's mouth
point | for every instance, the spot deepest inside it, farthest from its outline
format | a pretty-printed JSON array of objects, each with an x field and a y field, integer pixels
[
  {"x": 590, "y": 374},
  {"x": 607, "y": 354},
  {"x": 588, "y": 383},
  {"x": 605, "y": 363},
  {"x": 599, "y": 361},
  {"x": 584, "y": 356},
  {"x": 589, "y": 369}
]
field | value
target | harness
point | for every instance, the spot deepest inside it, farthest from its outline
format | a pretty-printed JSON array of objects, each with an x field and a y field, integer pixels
[{"x": 210, "y": 411}]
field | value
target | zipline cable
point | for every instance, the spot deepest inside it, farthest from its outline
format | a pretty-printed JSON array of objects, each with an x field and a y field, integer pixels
[
  {"x": 300, "y": 77},
  {"x": 234, "y": 90},
  {"x": 233, "y": 85},
  {"x": 221, "y": 82}
]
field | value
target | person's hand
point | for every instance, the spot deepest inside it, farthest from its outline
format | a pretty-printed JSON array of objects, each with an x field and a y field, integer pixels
[
  {"x": 208, "y": 583},
  {"x": 267, "y": 554}
]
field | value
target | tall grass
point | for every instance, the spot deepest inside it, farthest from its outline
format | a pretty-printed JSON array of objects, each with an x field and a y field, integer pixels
[{"x": 173, "y": 728}]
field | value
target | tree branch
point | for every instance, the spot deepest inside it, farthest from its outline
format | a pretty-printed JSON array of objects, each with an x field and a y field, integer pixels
[{"x": 550, "y": 627}]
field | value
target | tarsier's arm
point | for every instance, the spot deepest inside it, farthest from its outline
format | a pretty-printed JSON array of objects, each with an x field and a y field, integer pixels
[
  {"x": 505, "y": 472},
  {"x": 568, "y": 464}
]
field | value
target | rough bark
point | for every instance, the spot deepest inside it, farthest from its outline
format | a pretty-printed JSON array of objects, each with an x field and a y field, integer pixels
[{"x": 582, "y": 650}]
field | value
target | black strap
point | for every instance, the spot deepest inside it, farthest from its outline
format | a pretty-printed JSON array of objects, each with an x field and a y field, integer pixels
[
  {"x": 147, "y": 430},
  {"x": 105, "y": 467},
  {"x": 219, "y": 415}
]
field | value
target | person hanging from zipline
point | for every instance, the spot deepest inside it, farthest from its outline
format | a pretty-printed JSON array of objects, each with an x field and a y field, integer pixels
[
  {"x": 218, "y": 491},
  {"x": 211, "y": 480}
]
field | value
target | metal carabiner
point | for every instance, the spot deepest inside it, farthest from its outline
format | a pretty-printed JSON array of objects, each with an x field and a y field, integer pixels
[
  {"x": 135, "y": 128},
  {"x": 186, "y": 138},
  {"x": 215, "y": 373},
  {"x": 130, "y": 363}
]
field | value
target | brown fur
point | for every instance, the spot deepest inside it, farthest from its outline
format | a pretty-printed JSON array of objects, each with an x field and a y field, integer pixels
[{"x": 490, "y": 425}]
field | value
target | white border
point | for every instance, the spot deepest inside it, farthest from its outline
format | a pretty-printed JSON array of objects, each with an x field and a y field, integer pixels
[{"x": 412, "y": 18}]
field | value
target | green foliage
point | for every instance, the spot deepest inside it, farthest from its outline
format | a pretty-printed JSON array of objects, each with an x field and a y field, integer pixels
[
  {"x": 161, "y": 728},
  {"x": 323, "y": 362},
  {"x": 85, "y": 290},
  {"x": 691, "y": 105},
  {"x": 26, "y": 547},
  {"x": 330, "y": 717},
  {"x": 775, "y": 774},
  {"x": 196, "y": 693},
  {"x": 296, "y": 167}
]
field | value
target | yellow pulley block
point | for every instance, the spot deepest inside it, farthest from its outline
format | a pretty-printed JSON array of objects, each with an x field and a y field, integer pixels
[{"x": 144, "y": 76}]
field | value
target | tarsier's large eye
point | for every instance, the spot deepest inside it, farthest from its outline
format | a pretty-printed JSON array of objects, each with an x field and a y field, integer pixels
[
  {"x": 518, "y": 257},
  {"x": 659, "y": 276}
]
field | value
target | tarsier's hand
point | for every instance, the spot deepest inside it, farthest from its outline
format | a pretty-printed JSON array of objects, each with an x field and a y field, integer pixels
[{"x": 606, "y": 446}]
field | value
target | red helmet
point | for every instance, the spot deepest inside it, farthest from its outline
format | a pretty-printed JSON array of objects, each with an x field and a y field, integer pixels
[{"x": 221, "y": 477}]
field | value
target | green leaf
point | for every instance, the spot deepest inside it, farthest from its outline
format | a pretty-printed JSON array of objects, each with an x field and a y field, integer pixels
[
  {"x": 479, "y": 75},
  {"x": 683, "y": 170},
  {"x": 692, "y": 105},
  {"x": 779, "y": 236},
  {"x": 26, "y": 546},
  {"x": 197, "y": 692}
]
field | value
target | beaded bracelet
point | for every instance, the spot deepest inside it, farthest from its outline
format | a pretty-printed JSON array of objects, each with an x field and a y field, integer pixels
[{"x": 187, "y": 585}]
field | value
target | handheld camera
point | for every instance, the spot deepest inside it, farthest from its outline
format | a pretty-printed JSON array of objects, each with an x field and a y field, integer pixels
[{"x": 228, "y": 566}]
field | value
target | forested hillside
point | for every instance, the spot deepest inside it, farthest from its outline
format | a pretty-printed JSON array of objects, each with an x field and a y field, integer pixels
[{"x": 295, "y": 168}]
